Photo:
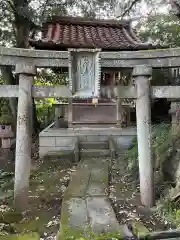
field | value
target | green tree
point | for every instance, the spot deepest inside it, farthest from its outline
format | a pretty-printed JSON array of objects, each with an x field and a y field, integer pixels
[{"x": 161, "y": 28}]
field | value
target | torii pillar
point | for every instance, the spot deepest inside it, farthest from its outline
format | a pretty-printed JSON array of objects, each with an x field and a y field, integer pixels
[
  {"x": 142, "y": 74},
  {"x": 24, "y": 135}
]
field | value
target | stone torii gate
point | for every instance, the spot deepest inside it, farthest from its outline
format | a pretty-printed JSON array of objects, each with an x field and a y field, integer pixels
[{"x": 26, "y": 61}]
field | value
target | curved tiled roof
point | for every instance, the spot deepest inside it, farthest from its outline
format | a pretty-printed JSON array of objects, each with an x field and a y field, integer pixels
[{"x": 75, "y": 32}]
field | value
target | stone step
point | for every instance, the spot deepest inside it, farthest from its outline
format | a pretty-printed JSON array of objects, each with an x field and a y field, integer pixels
[
  {"x": 94, "y": 145},
  {"x": 94, "y": 153}
]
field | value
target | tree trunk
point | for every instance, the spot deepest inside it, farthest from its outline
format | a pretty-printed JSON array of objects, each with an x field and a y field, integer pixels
[
  {"x": 10, "y": 80},
  {"x": 22, "y": 29}
]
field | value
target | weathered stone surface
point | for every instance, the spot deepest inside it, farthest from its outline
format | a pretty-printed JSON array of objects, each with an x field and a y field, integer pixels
[
  {"x": 79, "y": 183},
  {"x": 88, "y": 186},
  {"x": 101, "y": 214},
  {"x": 74, "y": 213},
  {"x": 94, "y": 145},
  {"x": 54, "y": 151},
  {"x": 155, "y": 58},
  {"x": 49, "y": 145},
  {"x": 47, "y": 141},
  {"x": 95, "y": 152},
  {"x": 96, "y": 138},
  {"x": 97, "y": 189},
  {"x": 139, "y": 228},
  {"x": 100, "y": 175},
  {"x": 24, "y": 68},
  {"x": 68, "y": 142},
  {"x": 63, "y": 91}
]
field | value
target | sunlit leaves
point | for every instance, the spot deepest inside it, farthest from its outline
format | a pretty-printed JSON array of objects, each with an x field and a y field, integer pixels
[{"x": 164, "y": 29}]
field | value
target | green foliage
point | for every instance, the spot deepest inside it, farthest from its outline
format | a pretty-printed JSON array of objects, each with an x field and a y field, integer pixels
[
  {"x": 162, "y": 28},
  {"x": 170, "y": 211},
  {"x": 160, "y": 134},
  {"x": 45, "y": 114},
  {"x": 6, "y": 120}
]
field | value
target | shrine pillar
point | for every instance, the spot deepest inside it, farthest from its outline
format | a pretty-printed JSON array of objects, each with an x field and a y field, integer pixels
[
  {"x": 23, "y": 135},
  {"x": 119, "y": 107},
  {"x": 70, "y": 112},
  {"x": 118, "y": 112},
  {"x": 175, "y": 115},
  {"x": 142, "y": 74}
]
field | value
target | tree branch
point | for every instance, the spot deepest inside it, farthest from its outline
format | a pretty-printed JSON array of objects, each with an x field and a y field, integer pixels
[
  {"x": 129, "y": 8},
  {"x": 175, "y": 7}
]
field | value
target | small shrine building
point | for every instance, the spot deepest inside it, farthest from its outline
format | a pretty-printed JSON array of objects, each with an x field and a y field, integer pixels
[{"x": 76, "y": 34}]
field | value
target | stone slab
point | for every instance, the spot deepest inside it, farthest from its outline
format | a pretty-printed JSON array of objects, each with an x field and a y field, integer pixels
[
  {"x": 54, "y": 151},
  {"x": 96, "y": 138},
  {"x": 94, "y": 145},
  {"x": 97, "y": 189},
  {"x": 79, "y": 183},
  {"x": 101, "y": 214},
  {"x": 100, "y": 175},
  {"x": 74, "y": 214},
  {"x": 47, "y": 141},
  {"x": 123, "y": 142},
  {"x": 62, "y": 141},
  {"x": 71, "y": 132},
  {"x": 95, "y": 153}
]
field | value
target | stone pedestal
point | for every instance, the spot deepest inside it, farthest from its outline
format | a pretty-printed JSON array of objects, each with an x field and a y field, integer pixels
[{"x": 142, "y": 75}]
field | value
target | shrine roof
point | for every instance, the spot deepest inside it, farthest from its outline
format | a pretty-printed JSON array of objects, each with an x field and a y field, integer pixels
[{"x": 75, "y": 32}]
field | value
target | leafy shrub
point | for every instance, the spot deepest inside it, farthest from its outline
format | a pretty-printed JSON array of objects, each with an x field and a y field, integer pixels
[
  {"x": 160, "y": 133},
  {"x": 45, "y": 114},
  {"x": 6, "y": 120}
]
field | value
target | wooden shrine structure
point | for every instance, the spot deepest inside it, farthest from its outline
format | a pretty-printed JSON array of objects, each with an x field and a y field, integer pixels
[{"x": 84, "y": 39}]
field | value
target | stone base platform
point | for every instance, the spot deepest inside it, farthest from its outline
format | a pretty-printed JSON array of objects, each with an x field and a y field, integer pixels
[{"x": 53, "y": 140}]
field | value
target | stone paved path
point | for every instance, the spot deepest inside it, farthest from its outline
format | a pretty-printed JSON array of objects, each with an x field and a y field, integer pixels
[{"x": 86, "y": 206}]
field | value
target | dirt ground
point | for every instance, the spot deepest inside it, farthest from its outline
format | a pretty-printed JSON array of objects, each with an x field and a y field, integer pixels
[
  {"x": 48, "y": 182},
  {"x": 125, "y": 197}
]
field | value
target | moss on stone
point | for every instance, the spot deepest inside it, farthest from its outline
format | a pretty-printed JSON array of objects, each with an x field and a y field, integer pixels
[
  {"x": 140, "y": 229},
  {"x": 37, "y": 225},
  {"x": 10, "y": 217},
  {"x": 60, "y": 153},
  {"x": 67, "y": 233}
]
